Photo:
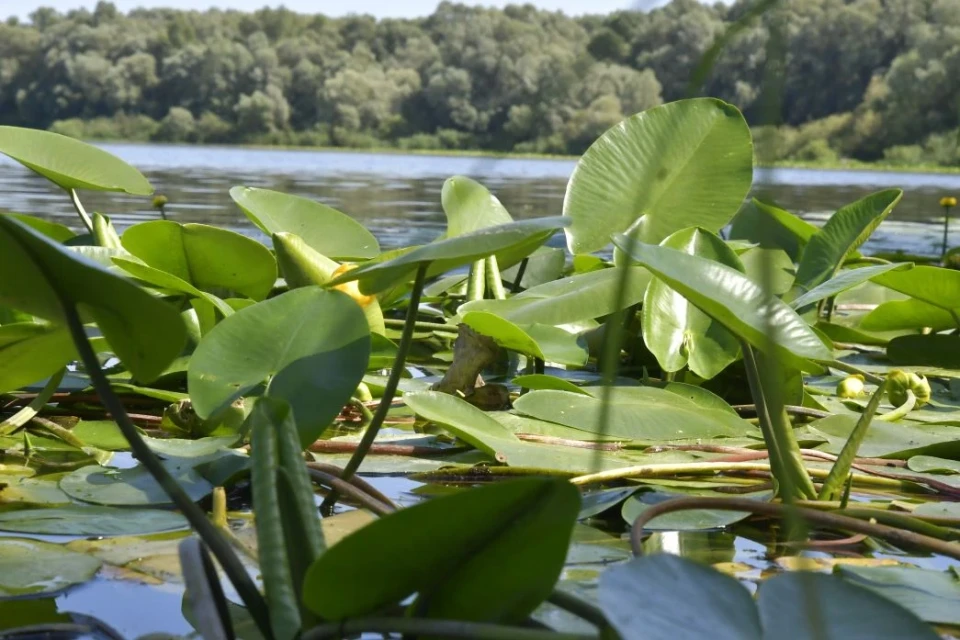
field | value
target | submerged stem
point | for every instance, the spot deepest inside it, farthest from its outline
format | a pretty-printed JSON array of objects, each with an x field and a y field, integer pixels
[{"x": 389, "y": 391}]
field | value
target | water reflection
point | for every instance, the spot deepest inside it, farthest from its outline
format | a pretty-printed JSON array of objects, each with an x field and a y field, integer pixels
[{"x": 398, "y": 196}]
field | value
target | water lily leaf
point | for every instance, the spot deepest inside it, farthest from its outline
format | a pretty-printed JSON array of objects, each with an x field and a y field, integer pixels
[
  {"x": 91, "y": 521},
  {"x": 580, "y": 297},
  {"x": 444, "y": 255},
  {"x": 844, "y": 232},
  {"x": 932, "y": 464},
  {"x": 678, "y": 333},
  {"x": 32, "y": 351},
  {"x": 71, "y": 164},
  {"x": 594, "y": 503},
  {"x": 686, "y": 520},
  {"x": 933, "y": 285},
  {"x": 145, "y": 333},
  {"x": 636, "y": 413},
  {"x": 938, "y": 509},
  {"x": 735, "y": 301},
  {"x": 546, "y": 342},
  {"x": 469, "y": 206},
  {"x": 323, "y": 228},
  {"x": 53, "y": 230},
  {"x": 843, "y": 610},
  {"x": 772, "y": 227},
  {"x": 207, "y": 257},
  {"x": 542, "y": 381},
  {"x": 543, "y": 265},
  {"x": 487, "y": 434},
  {"x": 167, "y": 281},
  {"x": 931, "y": 350},
  {"x": 133, "y": 487},
  {"x": 33, "y": 491},
  {"x": 841, "y": 333},
  {"x": 887, "y": 439},
  {"x": 502, "y": 551},
  {"x": 845, "y": 280},
  {"x": 666, "y": 597},
  {"x": 102, "y": 434},
  {"x": 931, "y": 595},
  {"x": 773, "y": 265},
  {"x": 34, "y": 567},
  {"x": 684, "y": 164},
  {"x": 309, "y": 347},
  {"x": 909, "y": 314}
]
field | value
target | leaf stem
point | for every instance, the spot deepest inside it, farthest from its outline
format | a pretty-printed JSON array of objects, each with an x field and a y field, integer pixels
[
  {"x": 475, "y": 285},
  {"x": 521, "y": 270},
  {"x": 579, "y": 607},
  {"x": 833, "y": 486},
  {"x": 420, "y": 627},
  {"x": 494, "y": 282},
  {"x": 27, "y": 413},
  {"x": 901, "y": 411},
  {"x": 849, "y": 368},
  {"x": 78, "y": 206},
  {"x": 389, "y": 391},
  {"x": 207, "y": 531}
]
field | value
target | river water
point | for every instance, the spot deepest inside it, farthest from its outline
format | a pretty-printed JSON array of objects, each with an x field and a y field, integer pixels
[{"x": 398, "y": 196}]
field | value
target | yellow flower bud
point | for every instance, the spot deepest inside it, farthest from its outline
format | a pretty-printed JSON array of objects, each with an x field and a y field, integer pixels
[
  {"x": 159, "y": 201},
  {"x": 351, "y": 288},
  {"x": 948, "y": 201},
  {"x": 899, "y": 382},
  {"x": 851, "y": 386}
]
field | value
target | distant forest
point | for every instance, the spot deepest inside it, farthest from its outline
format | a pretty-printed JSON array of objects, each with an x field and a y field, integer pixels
[{"x": 820, "y": 80}]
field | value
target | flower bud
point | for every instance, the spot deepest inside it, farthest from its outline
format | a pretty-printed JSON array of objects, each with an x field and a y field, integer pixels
[
  {"x": 159, "y": 201},
  {"x": 851, "y": 386},
  {"x": 351, "y": 288},
  {"x": 363, "y": 393},
  {"x": 899, "y": 382},
  {"x": 948, "y": 201}
]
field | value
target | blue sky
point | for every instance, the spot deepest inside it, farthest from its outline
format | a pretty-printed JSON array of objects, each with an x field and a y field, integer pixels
[{"x": 380, "y": 8}]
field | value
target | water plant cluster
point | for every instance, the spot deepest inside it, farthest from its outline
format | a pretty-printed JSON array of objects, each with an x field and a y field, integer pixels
[{"x": 592, "y": 424}]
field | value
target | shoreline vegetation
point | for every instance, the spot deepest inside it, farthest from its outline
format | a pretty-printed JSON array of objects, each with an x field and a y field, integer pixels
[
  {"x": 840, "y": 164},
  {"x": 865, "y": 80}
]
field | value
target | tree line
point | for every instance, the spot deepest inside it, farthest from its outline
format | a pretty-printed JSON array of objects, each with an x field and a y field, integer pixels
[{"x": 871, "y": 80}]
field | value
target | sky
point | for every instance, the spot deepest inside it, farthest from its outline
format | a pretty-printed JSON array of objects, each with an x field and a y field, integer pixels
[{"x": 379, "y": 8}]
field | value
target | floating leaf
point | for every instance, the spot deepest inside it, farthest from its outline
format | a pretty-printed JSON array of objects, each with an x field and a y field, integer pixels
[
  {"x": 133, "y": 487},
  {"x": 308, "y": 346},
  {"x": 91, "y": 521},
  {"x": 34, "y": 567},
  {"x": 323, "y": 228},
  {"x": 145, "y": 333},
  {"x": 843, "y": 233},
  {"x": 665, "y": 597},
  {"x": 931, "y": 350},
  {"x": 887, "y": 439},
  {"x": 542, "y": 381},
  {"x": 71, "y": 164},
  {"x": 444, "y": 255},
  {"x": 636, "y": 413},
  {"x": 684, "y": 164},
  {"x": 678, "y": 333},
  {"x": 501, "y": 552},
  {"x": 566, "y": 301},
  {"x": 546, "y": 342},
  {"x": 735, "y": 301},
  {"x": 207, "y": 257},
  {"x": 931, "y": 595},
  {"x": 686, "y": 520}
]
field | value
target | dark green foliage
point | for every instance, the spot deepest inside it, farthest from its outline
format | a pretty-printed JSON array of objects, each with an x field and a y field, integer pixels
[{"x": 864, "y": 79}]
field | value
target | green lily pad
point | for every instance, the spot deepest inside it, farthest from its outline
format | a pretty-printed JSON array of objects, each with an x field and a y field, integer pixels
[
  {"x": 91, "y": 521},
  {"x": 931, "y": 595},
  {"x": 546, "y": 342},
  {"x": 133, "y": 487},
  {"x": 931, "y": 350},
  {"x": 31, "y": 567},
  {"x": 887, "y": 439},
  {"x": 932, "y": 464}
]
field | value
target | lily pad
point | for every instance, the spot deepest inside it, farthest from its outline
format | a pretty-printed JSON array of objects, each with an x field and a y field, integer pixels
[
  {"x": 887, "y": 439},
  {"x": 91, "y": 521},
  {"x": 546, "y": 342},
  {"x": 133, "y": 487},
  {"x": 33, "y": 567}
]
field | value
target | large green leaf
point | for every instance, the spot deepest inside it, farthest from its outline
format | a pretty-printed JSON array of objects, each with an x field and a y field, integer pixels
[
  {"x": 844, "y": 232},
  {"x": 886, "y": 439},
  {"x": 735, "y": 301},
  {"x": 31, "y": 352},
  {"x": 308, "y": 346},
  {"x": 500, "y": 553},
  {"x": 145, "y": 333},
  {"x": 71, "y": 164},
  {"x": 53, "y": 230},
  {"x": 546, "y": 342},
  {"x": 636, "y": 413},
  {"x": 909, "y": 314},
  {"x": 91, "y": 521},
  {"x": 684, "y": 164},
  {"x": 134, "y": 486},
  {"x": 931, "y": 350},
  {"x": 772, "y": 227},
  {"x": 812, "y": 606},
  {"x": 769, "y": 267},
  {"x": 323, "y": 228},
  {"x": 34, "y": 567},
  {"x": 207, "y": 257},
  {"x": 930, "y": 595},
  {"x": 933, "y": 285},
  {"x": 470, "y": 206},
  {"x": 685, "y": 520},
  {"x": 444, "y": 255},
  {"x": 666, "y": 597},
  {"x": 846, "y": 280},
  {"x": 566, "y": 301},
  {"x": 677, "y": 332}
]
